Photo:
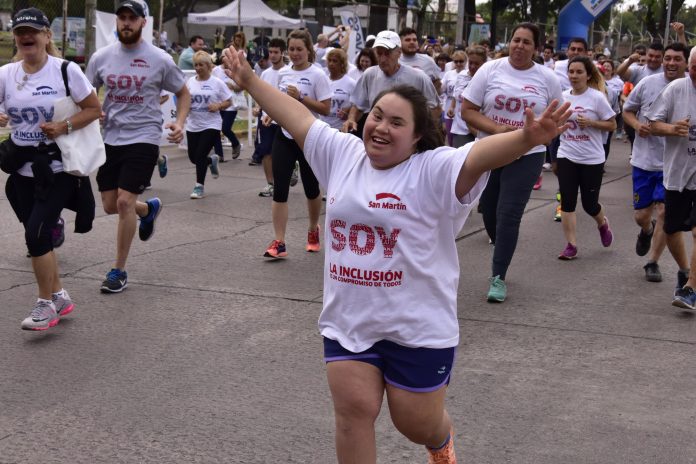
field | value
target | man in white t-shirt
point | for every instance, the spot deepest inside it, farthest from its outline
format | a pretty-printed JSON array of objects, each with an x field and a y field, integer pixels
[
  {"x": 576, "y": 46},
  {"x": 647, "y": 164},
  {"x": 671, "y": 116},
  {"x": 411, "y": 57},
  {"x": 387, "y": 74},
  {"x": 631, "y": 71},
  {"x": 548, "y": 56}
]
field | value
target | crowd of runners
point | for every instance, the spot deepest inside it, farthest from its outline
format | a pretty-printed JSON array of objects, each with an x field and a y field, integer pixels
[{"x": 404, "y": 144}]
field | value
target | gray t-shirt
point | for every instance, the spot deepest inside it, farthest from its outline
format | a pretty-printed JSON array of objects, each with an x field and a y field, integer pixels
[
  {"x": 676, "y": 103},
  {"x": 641, "y": 71},
  {"x": 134, "y": 80},
  {"x": 373, "y": 81},
  {"x": 422, "y": 62},
  {"x": 648, "y": 151}
]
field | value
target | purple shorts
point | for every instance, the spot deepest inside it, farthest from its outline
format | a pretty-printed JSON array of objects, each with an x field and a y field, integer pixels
[{"x": 418, "y": 370}]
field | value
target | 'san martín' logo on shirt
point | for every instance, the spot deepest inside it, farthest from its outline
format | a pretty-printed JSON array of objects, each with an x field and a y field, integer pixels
[
  {"x": 139, "y": 63},
  {"x": 579, "y": 110},
  {"x": 44, "y": 90},
  {"x": 530, "y": 89},
  {"x": 382, "y": 202}
]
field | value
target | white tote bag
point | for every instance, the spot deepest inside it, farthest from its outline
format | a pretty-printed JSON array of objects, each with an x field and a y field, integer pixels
[{"x": 83, "y": 149}]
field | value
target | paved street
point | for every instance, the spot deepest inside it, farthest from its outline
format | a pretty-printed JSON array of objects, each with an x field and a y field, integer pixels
[{"x": 212, "y": 355}]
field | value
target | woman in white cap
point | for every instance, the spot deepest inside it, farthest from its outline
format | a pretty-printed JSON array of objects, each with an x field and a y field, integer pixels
[{"x": 395, "y": 202}]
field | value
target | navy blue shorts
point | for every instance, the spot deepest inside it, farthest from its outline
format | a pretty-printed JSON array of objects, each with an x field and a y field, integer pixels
[
  {"x": 418, "y": 370},
  {"x": 647, "y": 188},
  {"x": 265, "y": 136}
]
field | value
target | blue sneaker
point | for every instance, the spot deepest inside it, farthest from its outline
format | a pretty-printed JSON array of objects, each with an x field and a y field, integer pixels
[
  {"x": 162, "y": 165},
  {"x": 685, "y": 298},
  {"x": 116, "y": 281},
  {"x": 497, "y": 292},
  {"x": 147, "y": 223},
  {"x": 215, "y": 166}
]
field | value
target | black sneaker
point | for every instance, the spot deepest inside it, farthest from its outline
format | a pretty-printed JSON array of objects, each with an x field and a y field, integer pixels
[
  {"x": 58, "y": 233},
  {"x": 116, "y": 281},
  {"x": 643, "y": 242},
  {"x": 147, "y": 223},
  {"x": 652, "y": 272}
]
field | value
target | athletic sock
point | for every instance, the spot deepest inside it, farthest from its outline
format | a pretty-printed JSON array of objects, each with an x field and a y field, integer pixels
[{"x": 444, "y": 443}]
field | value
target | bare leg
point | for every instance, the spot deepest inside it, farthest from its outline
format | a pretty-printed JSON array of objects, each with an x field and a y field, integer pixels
[
  {"x": 569, "y": 222},
  {"x": 421, "y": 417},
  {"x": 46, "y": 272},
  {"x": 267, "y": 164},
  {"x": 659, "y": 240},
  {"x": 357, "y": 389}
]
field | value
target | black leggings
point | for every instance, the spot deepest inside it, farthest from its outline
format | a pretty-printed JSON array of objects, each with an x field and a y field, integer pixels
[
  {"x": 284, "y": 153},
  {"x": 40, "y": 216},
  {"x": 586, "y": 177},
  {"x": 199, "y": 145}
]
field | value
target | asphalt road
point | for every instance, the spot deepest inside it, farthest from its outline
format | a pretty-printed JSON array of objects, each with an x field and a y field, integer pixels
[{"x": 212, "y": 354}]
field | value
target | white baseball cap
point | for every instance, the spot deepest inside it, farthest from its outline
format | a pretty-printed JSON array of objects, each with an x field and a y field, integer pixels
[{"x": 387, "y": 39}]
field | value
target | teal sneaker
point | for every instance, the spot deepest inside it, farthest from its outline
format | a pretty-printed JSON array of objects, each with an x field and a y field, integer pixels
[{"x": 497, "y": 291}]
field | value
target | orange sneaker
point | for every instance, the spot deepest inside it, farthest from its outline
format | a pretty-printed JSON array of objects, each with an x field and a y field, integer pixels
[
  {"x": 444, "y": 455},
  {"x": 313, "y": 241},
  {"x": 276, "y": 250}
]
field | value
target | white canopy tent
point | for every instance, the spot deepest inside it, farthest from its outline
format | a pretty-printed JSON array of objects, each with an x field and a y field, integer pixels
[{"x": 253, "y": 13}]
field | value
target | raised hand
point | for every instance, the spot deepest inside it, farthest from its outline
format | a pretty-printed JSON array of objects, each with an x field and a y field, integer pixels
[
  {"x": 551, "y": 123},
  {"x": 236, "y": 67}
]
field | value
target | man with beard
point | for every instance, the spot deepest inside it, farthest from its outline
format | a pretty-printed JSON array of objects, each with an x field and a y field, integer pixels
[
  {"x": 411, "y": 57},
  {"x": 134, "y": 73}
]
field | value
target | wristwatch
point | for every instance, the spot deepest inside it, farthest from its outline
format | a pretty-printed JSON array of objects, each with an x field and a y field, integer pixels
[{"x": 69, "y": 124}]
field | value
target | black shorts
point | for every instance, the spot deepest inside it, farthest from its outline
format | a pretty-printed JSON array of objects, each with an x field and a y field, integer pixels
[
  {"x": 128, "y": 167},
  {"x": 265, "y": 138},
  {"x": 680, "y": 211}
]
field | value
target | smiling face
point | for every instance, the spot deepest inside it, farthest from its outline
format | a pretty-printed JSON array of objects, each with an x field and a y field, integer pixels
[
  {"x": 577, "y": 74},
  {"x": 522, "y": 48},
  {"x": 298, "y": 53},
  {"x": 364, "y": 63},
  {"x": 129, "y": 26},
  {"x": 389, "y": 132},
  {"x": 203, "y": 67},
  {"x": 674, "y": 64},
  {"x": 31, "y": 43}
]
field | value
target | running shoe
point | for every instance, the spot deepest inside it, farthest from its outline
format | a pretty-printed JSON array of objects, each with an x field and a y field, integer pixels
[
  {"x": 605, "y": 233},
  {"x": 58, "y": 233},
  {"x": 236, "y": 151},
  {"x": 198, "y": 192},
  {"x": 276, "y": 250},
  {"x": 537, "y": 185},
  {"x": 643, "y": 242},
  {"x": 254, "y": 162},
  {"x": 116, "y": 281},
  {"x": 313, "y": 241},
  {"x": 652, "y": 272},
  {"x": 147, "y": 223},
  {"x": 683, "y": 298},
  {"x": 497, "y": 292},
  {"x": 42, "y": 317},
  {"x": 267, "y": 191},
  {"x": 215, "y": 166},
  {"x": 570, "y": 252},
  {"x": 162, "y": 165},
  {"x": 295, "y": 174},
  {"x": 557, "y": 215},
  {"x": 444, "y": 455},
  {"x": 63, "y": 304}
]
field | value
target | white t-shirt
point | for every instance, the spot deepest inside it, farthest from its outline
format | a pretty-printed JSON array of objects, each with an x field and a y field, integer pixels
[
  {"x": 391, "y": 268},
  {"x": 32, "y": 105},
  {"x": 311, "y": 82},
  {"x": 648, "y": 151},
  {"x": 449, "y": 81},
  {"x": 203, "y": 93},
  {"x": 423, "y": 62},
  {"x": 219, "y": 72},
  {"x": 503, "y": 92},
  {"x": 341, "y": 89},
  {"x": 676, "y": 103},
  {"x": 615, "y": 83},
  {"x": 374, "y": 81},
  {"x": 561, "y": 70},
  {"x": 550, "y": 64},
  {"x": 584, "y": 146},
  {"x": 641, "y": 71},
  {"x": 458, "y": 124},
  {"x": 355, "y": 73}
]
